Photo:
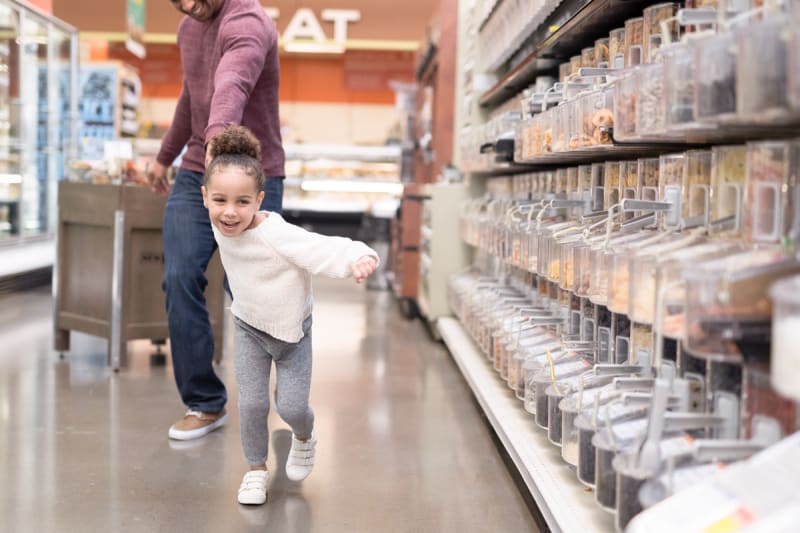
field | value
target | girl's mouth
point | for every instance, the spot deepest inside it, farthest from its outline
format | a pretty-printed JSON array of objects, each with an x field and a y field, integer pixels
[{"x": 228, "y": 225}]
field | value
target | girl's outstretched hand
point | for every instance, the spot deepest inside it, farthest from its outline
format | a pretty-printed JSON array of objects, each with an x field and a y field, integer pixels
[{"x": 364, "y": 267}]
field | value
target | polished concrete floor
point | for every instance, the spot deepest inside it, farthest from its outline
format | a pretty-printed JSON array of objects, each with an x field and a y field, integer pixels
[{"x": 402, "y": 446}]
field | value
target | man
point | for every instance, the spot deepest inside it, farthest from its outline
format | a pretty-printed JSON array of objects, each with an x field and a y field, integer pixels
[{"x": 229, "y": 52}]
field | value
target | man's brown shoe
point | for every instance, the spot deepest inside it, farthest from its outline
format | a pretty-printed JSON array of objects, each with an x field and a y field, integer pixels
[{"x": 195, "y": 424}]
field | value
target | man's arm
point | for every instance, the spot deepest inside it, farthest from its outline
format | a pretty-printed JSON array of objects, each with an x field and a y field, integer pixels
[{"x": 246, "y": 40}]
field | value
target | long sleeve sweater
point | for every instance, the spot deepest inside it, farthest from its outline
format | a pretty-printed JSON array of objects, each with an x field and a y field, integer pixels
[
  {"x": 230, "y": 77},
  {"x": 269, "y": 270}
]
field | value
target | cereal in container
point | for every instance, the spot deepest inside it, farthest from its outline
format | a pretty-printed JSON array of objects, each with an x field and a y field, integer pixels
[
  {"x": 650, "y": 119},
  {"x": 634, "y": 41},
  {"x": 598, "y": 117},
  {"x": 616, "y": 48},
  {"x": 670, "y": 188},
  {"x": 653, "y": 37},
  {"x": 697, "y": 185},
  {"x": 601, "y": 52},
  {"x": 588, "y": 59},
  {"x": 728, "y": 173},
  {"x": 769, "y": 198}
]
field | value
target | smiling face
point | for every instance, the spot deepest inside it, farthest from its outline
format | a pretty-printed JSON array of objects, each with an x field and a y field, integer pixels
[
  {"x": 201, "y": 10},
  {"x": 232, "y": 198}
]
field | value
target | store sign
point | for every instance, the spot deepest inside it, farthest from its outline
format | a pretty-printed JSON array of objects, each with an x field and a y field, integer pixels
[
  {"x": 304, "y": 32},
  {"x": 135, "y": 24}
]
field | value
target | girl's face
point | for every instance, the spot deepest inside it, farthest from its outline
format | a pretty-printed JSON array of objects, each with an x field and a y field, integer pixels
[{"x": 232, "y": 199}]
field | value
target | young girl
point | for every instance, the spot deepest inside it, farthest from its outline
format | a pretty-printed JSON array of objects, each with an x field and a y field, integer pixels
[{"x": 269, "y": 263}]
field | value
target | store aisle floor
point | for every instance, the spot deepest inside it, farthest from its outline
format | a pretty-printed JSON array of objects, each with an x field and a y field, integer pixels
[{"x": 402, "y": 447}]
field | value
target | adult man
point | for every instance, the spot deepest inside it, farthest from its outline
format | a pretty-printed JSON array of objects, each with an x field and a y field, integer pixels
[{"x": 229, "y": 52}]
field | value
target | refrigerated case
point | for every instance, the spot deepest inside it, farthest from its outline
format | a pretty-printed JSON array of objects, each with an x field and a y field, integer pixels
[{"x": 38, "y": 118}]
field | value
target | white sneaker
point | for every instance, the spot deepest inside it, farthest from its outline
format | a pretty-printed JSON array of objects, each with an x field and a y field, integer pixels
[
  {"x": 253, "y": 490},
  {"x": 301, "y": 458}
]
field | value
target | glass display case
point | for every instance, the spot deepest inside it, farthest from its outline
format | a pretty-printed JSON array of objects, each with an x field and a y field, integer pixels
[{"x": 38, "y": 117}]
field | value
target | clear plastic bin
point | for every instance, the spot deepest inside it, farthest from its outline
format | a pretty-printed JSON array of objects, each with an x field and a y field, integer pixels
[
  {"x": 563, "y": 71},
  {"x": 598, "y": 187},
  {"x": 625, "y": 102},
  {"x": 785, "y": 359},
  {"x": 697, "y": 187},
  {"x": 765, "y": 411},
  {"x": 612, "y": 183},
  {"x": 588, "y": 58},
  {"x": 653, "y": 37},
  {"x": 648, "y": 169},
  {"x": 794, "y": 56},
  {"x": 630, "y": 186},
  {"x": 679, "y": 86},
  {"x": 670, "y": 188},
  {"x": 585, "y": 188},
  {"x": 616, "y": 48},
  {"x": 728, "y": 174},
  {"x": 727, "y": 301},
  {"x": 715, "y": 68},
  {"x": 769, "y": 197},
  {"x": 761, "y": 63},
  {"x": 634, "y": 42},
  {"x": 650, "y": 109},
  {"x": 601, "y": 52},
  {"x": 575, "y": 64},
  {"x": 597, "y": 109},
  {"x": 652, "y": 271}
]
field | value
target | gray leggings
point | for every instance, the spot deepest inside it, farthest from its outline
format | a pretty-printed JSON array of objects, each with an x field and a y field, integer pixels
[{"x": 255, "y": 352}]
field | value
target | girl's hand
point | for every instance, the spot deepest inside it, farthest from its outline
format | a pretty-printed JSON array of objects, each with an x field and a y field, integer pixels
[{"x": 363, "y": 268}]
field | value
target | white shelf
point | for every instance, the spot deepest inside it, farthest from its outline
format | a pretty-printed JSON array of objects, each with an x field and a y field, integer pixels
[{"x": 562, "y": 500}]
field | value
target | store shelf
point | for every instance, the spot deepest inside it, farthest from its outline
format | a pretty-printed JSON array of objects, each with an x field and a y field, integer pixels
[
  {"x": 571, "y": 25},
  {"x": 562, "y": 500}
]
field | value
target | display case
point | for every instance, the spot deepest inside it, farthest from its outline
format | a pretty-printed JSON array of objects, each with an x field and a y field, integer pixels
[
  {"x": 330, "y": 188},
  {"x": 38, "y": 117}
]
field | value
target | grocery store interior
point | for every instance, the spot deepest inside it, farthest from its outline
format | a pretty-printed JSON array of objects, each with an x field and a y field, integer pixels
[{"x": 584, "y": 319}]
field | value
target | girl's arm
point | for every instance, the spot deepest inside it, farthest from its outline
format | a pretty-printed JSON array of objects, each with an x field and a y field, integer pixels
[{"x": 334, "y": 257}]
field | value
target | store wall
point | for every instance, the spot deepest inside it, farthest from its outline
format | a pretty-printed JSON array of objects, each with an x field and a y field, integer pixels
[
  {"x": 344, "y": 98},
  {"x": 380, "y": 19}
]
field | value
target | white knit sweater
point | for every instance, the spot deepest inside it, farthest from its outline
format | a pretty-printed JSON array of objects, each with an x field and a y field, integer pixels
[{"x": 269, "y": 271}]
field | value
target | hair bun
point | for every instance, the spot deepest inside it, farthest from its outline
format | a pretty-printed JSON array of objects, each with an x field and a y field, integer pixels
[{"x": 235, "y": 140}]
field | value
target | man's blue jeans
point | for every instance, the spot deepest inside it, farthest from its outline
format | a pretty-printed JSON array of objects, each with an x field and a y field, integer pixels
[{"x": 188, "y": 247}]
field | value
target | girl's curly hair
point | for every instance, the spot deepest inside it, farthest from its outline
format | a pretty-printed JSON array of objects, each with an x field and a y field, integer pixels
[{"x": 237, "y": 146}]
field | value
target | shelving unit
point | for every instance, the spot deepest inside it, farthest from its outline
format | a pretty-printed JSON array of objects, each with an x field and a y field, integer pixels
[
  {"x": 562, "y": 500},
  {"x": 552, "y": 172},
  {"x": 562, "y": 34},
  {"x": 440, "y": 257}
]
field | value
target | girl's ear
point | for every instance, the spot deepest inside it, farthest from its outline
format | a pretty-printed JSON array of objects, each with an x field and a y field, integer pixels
[
  {"x": 205, "y": 196},
  {"x": 260, "y": 199}
]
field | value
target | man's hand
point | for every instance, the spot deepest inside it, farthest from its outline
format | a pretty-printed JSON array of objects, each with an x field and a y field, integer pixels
[
  {"x": 157, "y": 176},
  {"x": 208, "y": 154},
  {"x": 364, "y": 267}
]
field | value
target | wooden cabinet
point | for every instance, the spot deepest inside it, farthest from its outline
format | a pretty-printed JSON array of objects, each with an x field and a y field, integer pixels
[{"x": 109, "y": 266}]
